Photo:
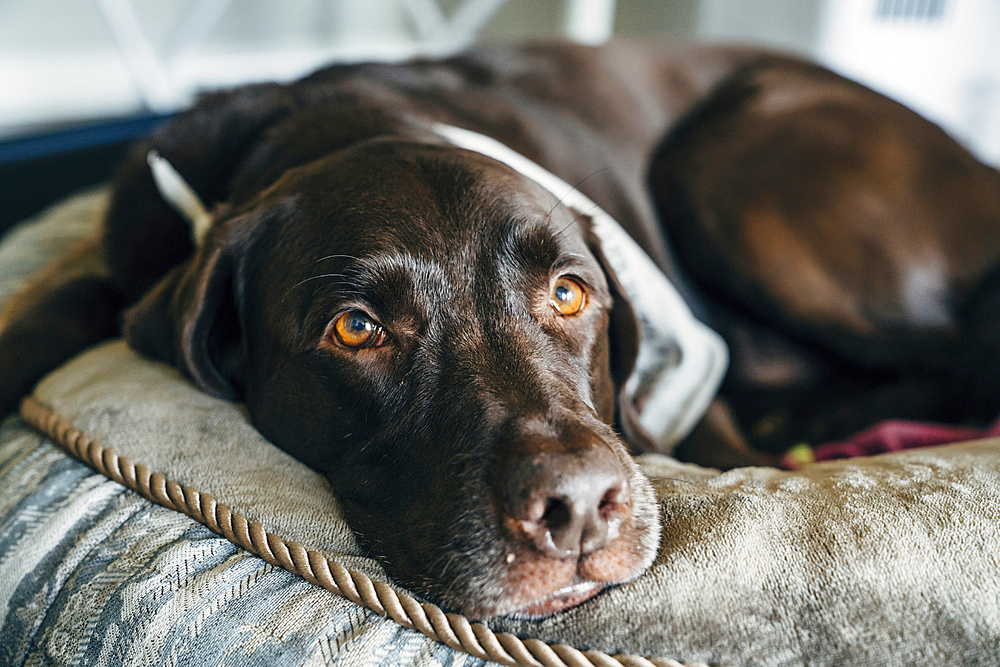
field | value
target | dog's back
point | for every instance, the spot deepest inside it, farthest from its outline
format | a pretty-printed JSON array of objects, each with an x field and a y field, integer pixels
[{"x": 848, "y": 244}]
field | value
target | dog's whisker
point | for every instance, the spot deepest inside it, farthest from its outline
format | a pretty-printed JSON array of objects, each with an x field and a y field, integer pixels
[
  {"x": 580, "y": 216},
  {"x": 357, "y": 259},
  {"x": 303, "y": 282},
  {"x": 567, "y": 226},
  {"x": 576, "y": 187},
  {"x": 441, "y": 565},
  {"x": 575, "y": 220}
]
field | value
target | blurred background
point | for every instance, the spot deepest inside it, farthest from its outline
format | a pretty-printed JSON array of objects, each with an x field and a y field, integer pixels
[{"x": 83, "y": 77}]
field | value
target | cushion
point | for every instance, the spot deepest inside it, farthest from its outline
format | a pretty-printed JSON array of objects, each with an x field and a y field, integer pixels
[{"x": 888, "y": 560}]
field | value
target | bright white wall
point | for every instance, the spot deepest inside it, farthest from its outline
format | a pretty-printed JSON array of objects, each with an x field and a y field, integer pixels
[
  {"x": 57, "y": 63},
  {"x": 946, "y": 66},
  {"x": 786, "y": 24}
]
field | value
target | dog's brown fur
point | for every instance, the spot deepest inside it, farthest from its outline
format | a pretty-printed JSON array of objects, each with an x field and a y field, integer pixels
[{"x": 845, "y": 248}]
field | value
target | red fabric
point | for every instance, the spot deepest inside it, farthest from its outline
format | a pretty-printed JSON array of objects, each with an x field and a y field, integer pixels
[{"x": 893, "y": 435}]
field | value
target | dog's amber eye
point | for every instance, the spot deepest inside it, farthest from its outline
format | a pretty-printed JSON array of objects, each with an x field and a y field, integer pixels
[
  {"x": 356, "y": 330},
  {"x": 568, "y": 296}
]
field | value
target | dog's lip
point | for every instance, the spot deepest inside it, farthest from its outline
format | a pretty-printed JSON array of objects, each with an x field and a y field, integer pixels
[{"x": 574, "y": 593}]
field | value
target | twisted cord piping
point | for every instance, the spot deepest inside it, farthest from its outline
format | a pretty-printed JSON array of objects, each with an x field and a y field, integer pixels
[{"x": 454, "y": 630}]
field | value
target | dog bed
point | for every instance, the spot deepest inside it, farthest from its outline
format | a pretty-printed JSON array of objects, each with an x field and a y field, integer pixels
[{"x": 152, "y": 525}]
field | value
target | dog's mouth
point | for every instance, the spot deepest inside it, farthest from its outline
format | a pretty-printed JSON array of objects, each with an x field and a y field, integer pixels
[
  {"x": 577, "y": 592},
  {"x": 604, "y": 534}
]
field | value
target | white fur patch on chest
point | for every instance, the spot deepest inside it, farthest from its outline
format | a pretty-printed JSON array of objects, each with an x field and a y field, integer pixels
[{"x": 925, "y": 293}]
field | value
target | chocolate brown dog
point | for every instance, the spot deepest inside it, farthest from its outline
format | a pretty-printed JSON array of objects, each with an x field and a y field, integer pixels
[{"x": 447, "y": 341}]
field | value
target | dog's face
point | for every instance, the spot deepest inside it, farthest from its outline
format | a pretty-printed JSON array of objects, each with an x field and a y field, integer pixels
[{"x": 443, "y": 340}]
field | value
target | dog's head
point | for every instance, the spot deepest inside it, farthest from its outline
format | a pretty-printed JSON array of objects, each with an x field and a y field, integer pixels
[{"x": 444, "y": 341}]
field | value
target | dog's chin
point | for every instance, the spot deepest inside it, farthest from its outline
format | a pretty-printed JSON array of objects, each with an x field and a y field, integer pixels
[
  {"x": 541, "y": 602},
  {"x": 565, "y": 598}
]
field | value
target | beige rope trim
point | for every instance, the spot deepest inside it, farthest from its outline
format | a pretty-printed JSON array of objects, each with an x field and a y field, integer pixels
[{"x": 452, "y": 629}]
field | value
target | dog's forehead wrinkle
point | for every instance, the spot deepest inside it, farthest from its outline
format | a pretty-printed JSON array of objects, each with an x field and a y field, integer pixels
[
  {"x": 469, "y": 190},
  {"x": 389, "y": 280}
]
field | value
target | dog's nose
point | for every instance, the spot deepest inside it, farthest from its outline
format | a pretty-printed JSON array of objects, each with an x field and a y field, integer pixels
[{"x": 567, "y": 504}]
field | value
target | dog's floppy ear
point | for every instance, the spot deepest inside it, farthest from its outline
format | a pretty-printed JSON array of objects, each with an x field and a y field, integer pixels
[
  {"x": 623, "y": 327},
  {"x": 208, "y": 144},
  {"x": 192, "y": 317},
  {"x": 623, "y": 340}
]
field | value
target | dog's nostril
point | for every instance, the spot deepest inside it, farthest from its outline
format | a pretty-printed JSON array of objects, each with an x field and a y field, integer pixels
[
  {"x": 568, "y": 505},
  {"x": 557, "y": 515},
  {"x": 614, "y": 501},
  {"x": 608, "y": 500}
]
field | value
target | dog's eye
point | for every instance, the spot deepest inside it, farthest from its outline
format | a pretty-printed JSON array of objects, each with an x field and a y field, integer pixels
[
  {"x": 356, "y": 330},
  {"x": 568, "y": 296}
]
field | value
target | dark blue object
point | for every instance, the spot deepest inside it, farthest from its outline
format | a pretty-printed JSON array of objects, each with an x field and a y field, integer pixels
[{"x": 37, "y": 170}]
